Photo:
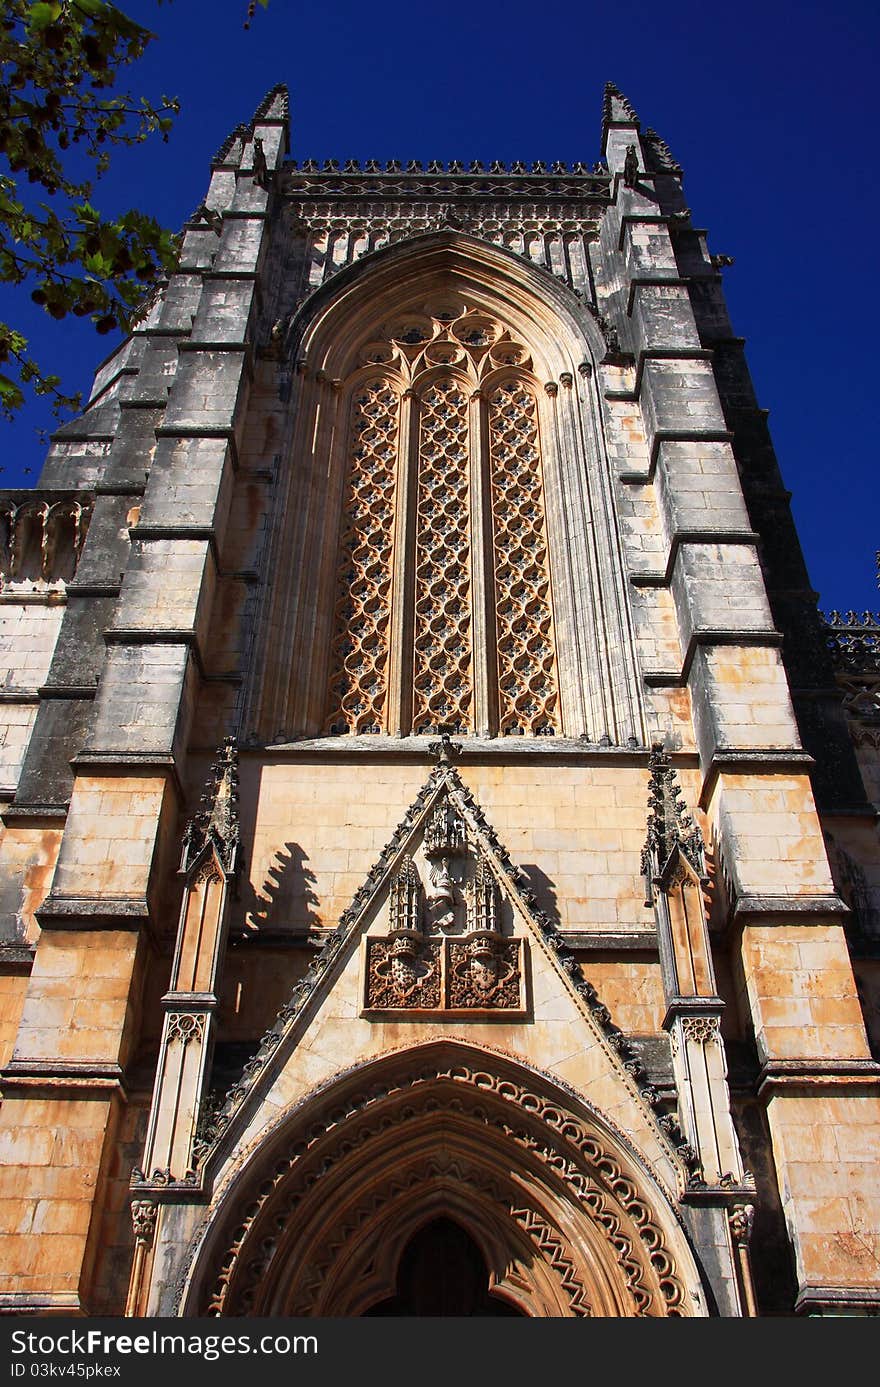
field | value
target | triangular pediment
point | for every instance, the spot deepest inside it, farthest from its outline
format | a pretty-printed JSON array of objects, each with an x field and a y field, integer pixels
[{"x": 444, "y": 938}]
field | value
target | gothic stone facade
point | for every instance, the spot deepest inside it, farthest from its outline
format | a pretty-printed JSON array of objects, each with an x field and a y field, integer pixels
[{"x": 430, "y": 795}]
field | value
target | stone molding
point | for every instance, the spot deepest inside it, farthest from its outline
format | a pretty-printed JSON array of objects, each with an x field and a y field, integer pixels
[
  {"x": 92, "y": 913},
  {"x": 779, "y": 1076},
  {"x": 838, "y": 1300}
]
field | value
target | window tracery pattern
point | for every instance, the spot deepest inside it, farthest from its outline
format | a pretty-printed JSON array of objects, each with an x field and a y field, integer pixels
[
  {"x": 358, "y": 680},
  {"x": 448, "y": 354},
  {"x": 442, "y": 684},
  {"x": 526, "y": 649}
]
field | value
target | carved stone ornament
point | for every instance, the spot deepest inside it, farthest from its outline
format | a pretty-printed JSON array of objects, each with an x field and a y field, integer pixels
[
  {"x": 216, "y": 820},
  {"x": 143, "y": 1218},
  {"x": 700, "y": 1029},
  {"x": 41, "y": 543},
  {"x": 445, "y": 833},
  {"x": 670, "y": 827},
  {"x": 445, "y": 839},
  {"x": 403, "y": 972},
  {"x": 406, "y": 898},
  {"x": 440, "y": 895},
  {"x": 631, "y": 166},
  {"x": 742, "y": 1217},
  {"x": 483, "y": 899},
  {"x": 484, "y": 971},
  {"x": 185, "y": 1026},
  {"x": 444, "y": 780}
]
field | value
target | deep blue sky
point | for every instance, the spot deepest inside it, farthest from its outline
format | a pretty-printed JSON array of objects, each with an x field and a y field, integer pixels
[{"x": 770, "y": 107}]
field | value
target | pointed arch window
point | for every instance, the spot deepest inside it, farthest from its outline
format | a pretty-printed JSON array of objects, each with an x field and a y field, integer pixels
[{"x": 444, "y": 602}]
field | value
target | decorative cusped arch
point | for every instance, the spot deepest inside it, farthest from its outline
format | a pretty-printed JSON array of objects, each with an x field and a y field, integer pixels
[
  {"x": 568, "y": 1217},
  {"x": 370, "y": 346}
]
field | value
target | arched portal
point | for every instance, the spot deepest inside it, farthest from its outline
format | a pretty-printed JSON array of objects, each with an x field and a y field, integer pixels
[{"x": 562, "y": 1214}]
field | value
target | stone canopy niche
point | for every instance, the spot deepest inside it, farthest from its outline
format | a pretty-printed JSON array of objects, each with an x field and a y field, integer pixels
[{"x": 448, "y": 942}]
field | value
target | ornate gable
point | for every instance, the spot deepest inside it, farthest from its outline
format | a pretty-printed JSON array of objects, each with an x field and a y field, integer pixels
[{"x": 444, "y": 933}]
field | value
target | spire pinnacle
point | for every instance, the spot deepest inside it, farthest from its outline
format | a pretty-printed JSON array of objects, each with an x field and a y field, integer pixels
[
  {"x": 670, "y": 828},
  {"x": 275, "y": 106},
  {"x": 616, "y": 110},
  {"x": 216, "y": 819},
  {"x": 658, "y": 155}
]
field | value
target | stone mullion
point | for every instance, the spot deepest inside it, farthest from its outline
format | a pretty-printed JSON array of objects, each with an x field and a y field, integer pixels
[
  {"x": 401, "y": 626},
  {"x": 483, "y": 593}
]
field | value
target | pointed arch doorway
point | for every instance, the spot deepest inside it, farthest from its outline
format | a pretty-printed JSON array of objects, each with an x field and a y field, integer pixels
[
  {"x": 444, "y": 1180},
  {"x": 443, "y": 1274}
]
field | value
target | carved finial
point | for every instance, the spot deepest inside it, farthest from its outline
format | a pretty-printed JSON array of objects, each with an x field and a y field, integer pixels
[
  {"x": 670, "y": 827},
  {"x": 406, "y": 898},
  {"x": 445, "y": 749},
  {"x": 216, "y": 819},
  {"x": 483, "y": 899}
]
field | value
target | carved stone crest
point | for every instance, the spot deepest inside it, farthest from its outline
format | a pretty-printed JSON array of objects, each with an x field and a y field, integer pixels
[
  {"x": 403, "y": 971},
  {"x": 484, "y": 971}
]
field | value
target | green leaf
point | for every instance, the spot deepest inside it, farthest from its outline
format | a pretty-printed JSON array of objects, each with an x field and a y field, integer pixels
[
  {"x": 10, "y": 394},
  {"x": 41, "y": 15}
]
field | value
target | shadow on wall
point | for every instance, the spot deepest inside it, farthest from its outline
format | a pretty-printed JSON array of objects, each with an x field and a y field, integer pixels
[
  {"x": 285, "y": 902},
  {"x": 545, "y": 891}
]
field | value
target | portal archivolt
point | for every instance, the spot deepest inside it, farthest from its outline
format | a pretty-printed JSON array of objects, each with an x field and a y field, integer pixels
[{"x": 559, "y": 1215}]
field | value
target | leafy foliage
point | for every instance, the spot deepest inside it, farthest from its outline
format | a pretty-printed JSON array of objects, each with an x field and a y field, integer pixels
[{"x": 59, "y": 122}]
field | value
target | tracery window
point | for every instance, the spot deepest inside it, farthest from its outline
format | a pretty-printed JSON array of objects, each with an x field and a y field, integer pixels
[
  {"x": 442, "y": 683},
  {"x": 358, "y": 686},
  {"x": 443, "y": 537},
  {"x": 526, "y": 654}
]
